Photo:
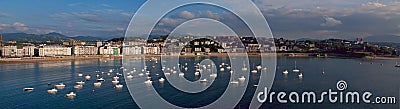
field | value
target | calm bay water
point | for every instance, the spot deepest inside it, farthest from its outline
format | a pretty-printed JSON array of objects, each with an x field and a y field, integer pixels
[{"x": 377, "y": 76}]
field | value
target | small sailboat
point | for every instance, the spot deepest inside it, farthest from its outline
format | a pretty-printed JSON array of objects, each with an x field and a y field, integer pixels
[
  {"x": 59, "y": 86},
  {"x": 70, "y": 95},
  {"x": 119, "y": 86},
  {"x": 181, "y": 75},
  {"x": 148, "y": 82},
  {"x": 100, "y": 80},
  {"x": 28, "y": 89},
  {"x": 97, "y": 84},
  {"x": 234, "y": 82},
  {"x": 197, "y": 73},
  {"x": 221, "y": 69},
  {"x": 254, "y": 71},
  {"x": 87, "y": 77},
  {"x": 203, "y": 80},
  {"x": 214, "y": 75},
  {"x": 300, "y": 75},
  {"x": 115, "y": 78},
  {"x": 115, "y": 81},
  {"x": 52, "y": 91},
  {"x": 241, "y": 79},
  {"x": 79, "y": 74},
  {"x": 285, "y": 72},
  {"x": 80, "y": 83},
  {"x": 129, "y": 76},
  {"x": 244, "y": 67},
  {"x": 259, "y": 67},
  {"x": 296, "y": 70},
  {"x": 161, "y": 80},
  {"x": 78, "y": 86}
]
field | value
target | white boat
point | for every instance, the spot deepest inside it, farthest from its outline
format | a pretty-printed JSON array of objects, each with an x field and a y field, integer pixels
[
  {"x": 119, "y": 86},
  {"x": 300, "y": 75},
  {"x": 203, "y": 80},
  {"x": 397, "y": 65},
  {"x": 52, "y": 91},
  {"x": 242, "y": 78},
  {"x": 115, "y": 81},
  {"x": 234, "y": 82},
  {"x": 78, "y": 86},
  {"x": 87, "y": 77},
  {"x": 129, "y": 76},
  {"x": 29, "y": 89},
  {"x": 196, "y": 73},
  {"x": 70, "y": 94},
  {"x": 97, "y": 75},
  {"x": 254, "y": 71},
  {"x": 97, "y": 84},
  {"x": 141, "y": 74},
  {"x": 221, "y": 69},
  {"x": 228, "y": 67},
  {"x": 59, "y": 86},
  {"x": 100, "y": 80},
  {"x": 161, "y": 80},
  {"x": 80, "y": 83},
  {"x": 285, "y": 72},
  {"x": 115, "y": 78},
  {"x": 148, "y": 82},
  {"x": 80, "y": 74},
  {"x": 214, "y": 75},
  {"x": 181, "y": 74},
  {"x": 244, "y": 67},
  {"x": 259, "y": 67},
  {"x": 296, "y": 70},
  {"x": 111, "y": 70}
]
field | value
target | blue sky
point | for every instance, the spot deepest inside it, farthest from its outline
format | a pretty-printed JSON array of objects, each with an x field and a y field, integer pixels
[{"x": 287, "y": 18}]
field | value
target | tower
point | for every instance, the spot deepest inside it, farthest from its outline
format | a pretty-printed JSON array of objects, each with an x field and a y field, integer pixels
[{"x": 1, "y": 41}]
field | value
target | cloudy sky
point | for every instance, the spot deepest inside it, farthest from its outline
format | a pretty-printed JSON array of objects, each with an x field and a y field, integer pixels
[{"x": 287, "y": 18}]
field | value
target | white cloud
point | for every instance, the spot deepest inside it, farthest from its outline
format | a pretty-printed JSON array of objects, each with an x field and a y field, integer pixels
[
  {"x": 20, "y": 26},
  {"x": 330, "y": 21},
  {"x": 186, "y": 15}
]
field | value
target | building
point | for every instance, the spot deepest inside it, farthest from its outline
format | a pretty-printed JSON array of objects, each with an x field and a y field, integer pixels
[
  {"x": 18, "y": 51},
  {"x": 1, "y": 41},
  {"x": 133, "y": 50},
  {"x": 54, "y": 51},
  {"x": 109, "y": 50},
  {"x": 9, "y": 51},
  {"x": 85, "y": 50}
]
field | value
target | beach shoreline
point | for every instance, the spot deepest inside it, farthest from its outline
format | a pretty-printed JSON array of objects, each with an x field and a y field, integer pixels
[{"x": 69, "y": 58}]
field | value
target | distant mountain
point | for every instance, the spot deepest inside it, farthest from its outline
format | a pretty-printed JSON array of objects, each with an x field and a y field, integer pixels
[
  {"x": 304, "y": 39},
  {"x": 383, "y": 38},
  {"x": 87, "y": 38},
  {"x": 44, "y": 37}
]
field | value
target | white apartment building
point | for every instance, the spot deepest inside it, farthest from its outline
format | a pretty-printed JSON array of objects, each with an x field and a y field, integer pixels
[
  {"x": 85, "y": 50},
  {"x": 55, "y": 51},
  {"x": 18, "y": 51}
]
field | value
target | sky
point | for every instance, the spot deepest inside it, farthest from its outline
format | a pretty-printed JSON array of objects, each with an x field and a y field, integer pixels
[{"x": 291, "y": 19}]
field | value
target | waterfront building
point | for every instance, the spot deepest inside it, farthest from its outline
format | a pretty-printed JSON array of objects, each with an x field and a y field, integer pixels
[
  {"x": 18, "y": 51},
  {"x": 85, "y": 50},
  {"x": 109, "y": 50},
  {"x": 133, "y": 50},
  {"x": 54, "y": 51}
]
